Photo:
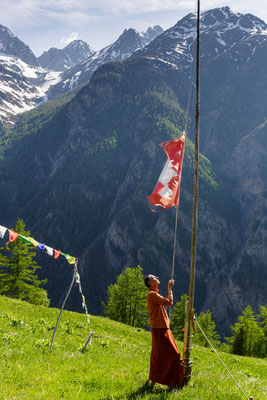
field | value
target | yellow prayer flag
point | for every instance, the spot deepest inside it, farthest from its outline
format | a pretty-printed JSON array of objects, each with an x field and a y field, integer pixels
[
  {"x": 33, "y": 241},
  {"x": 71, "y": 260}
]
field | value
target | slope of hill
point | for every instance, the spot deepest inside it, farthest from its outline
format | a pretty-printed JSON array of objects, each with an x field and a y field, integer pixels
[{"x": 115, "y": 366}]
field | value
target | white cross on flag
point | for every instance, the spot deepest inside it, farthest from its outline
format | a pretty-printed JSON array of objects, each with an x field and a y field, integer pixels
[{"x": 167, "y": 189}]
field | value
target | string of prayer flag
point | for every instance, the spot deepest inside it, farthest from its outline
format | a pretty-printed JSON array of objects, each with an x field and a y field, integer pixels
[
  {"x": 31, "y": 241},
  {"x": 12, "y": 236}
]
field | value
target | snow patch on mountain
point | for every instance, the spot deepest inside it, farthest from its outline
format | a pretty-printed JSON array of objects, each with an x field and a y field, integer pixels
[
  {"x": 22, "y": 86},
  {"x": 128, "y": 42},
  {"x": 62, "y": 59},
  {"x": 221, "y": 30}
]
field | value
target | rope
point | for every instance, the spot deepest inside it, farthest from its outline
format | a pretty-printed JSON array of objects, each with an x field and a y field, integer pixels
[
  {"x": 220, "y": 359},
  {"x": 78, "y": 281},
  {"x": 190, "y": 88},
  {"x": 174, "y": 242},
  {"x": 75, "y": 277}
]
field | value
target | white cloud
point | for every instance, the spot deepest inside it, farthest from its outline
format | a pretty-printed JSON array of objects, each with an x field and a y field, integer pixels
[
  {"x": 66, "y": 40},
  {"x": 100, "y": 22},
  {"x": 75, "y": 12}
]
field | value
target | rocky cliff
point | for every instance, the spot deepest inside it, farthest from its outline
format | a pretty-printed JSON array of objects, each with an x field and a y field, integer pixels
[{"x": 79, "y": 175}]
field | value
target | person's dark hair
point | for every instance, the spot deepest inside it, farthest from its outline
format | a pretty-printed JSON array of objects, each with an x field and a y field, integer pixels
[{"x": 147, "y": 280}]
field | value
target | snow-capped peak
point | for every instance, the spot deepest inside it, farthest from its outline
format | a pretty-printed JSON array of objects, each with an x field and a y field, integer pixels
[
  {"x": 220, "y": 29},
  {"x": 62, "y": 59},
  {"x": 12, "y": 46},
  {"x": 127, "y": 43}
]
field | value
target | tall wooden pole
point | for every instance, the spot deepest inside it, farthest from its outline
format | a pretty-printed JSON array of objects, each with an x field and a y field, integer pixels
[{"x": 190, "y": 305}]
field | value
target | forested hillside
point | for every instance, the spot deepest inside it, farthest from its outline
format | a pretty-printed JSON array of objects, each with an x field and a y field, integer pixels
[{"x": 79, "y": 173}]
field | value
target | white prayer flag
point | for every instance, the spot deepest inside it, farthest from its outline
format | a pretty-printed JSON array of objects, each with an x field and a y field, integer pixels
[{"x": 2, "y": 231}]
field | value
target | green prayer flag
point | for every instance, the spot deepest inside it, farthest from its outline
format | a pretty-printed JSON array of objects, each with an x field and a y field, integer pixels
[
  {"x": 25, "y": 239},
  {"x": 70, "y": 259}
]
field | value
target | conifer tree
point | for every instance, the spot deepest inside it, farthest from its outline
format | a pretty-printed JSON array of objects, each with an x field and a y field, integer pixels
[
  {"x": 18, "y": 277},
  {"x": 178, "y": 316},
  {"x": 262, "y": 318},
  {"x": 126, "y": 300},
  {"x": 209, "y": 328},
  {"x": 248, "y": 337}
]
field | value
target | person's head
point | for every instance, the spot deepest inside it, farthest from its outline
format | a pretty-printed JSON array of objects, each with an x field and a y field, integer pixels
[{"x": 152, "y": 281}]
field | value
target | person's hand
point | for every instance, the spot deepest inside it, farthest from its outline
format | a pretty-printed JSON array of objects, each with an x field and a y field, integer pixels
[{"x": 171, "y": 283}]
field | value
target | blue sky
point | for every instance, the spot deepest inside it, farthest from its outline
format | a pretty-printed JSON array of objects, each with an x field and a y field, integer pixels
[{"x": 43, "y": 24}]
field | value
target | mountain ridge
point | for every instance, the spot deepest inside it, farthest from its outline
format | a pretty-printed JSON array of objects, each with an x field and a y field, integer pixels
[
  {"x": 127, "y": 43},
  {"x": 96, "y": 161},
  {"x": 63, "y": 59},
  {"x": 24, "y": 85},
  {"x": 11, "y": 45}
]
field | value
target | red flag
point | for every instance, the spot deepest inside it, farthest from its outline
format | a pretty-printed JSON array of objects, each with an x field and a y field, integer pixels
[
  {"x": 12, "y": 235},
  {"x": 167, "y": 189},
  {"x": 56, "y": 253}
]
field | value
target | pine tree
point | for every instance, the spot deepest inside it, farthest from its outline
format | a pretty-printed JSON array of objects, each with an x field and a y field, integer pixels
[
  {"x": 248, "y": 337},
  {"x": 178, "y": 317},
  {"x": 126, "y": 300},
  {"x": 262, "y": 318},
  {"x": 209, "y": 328},
  {"x": 18, "y": 277}
]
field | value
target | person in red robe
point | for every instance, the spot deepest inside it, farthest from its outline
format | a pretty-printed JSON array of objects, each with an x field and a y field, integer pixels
[{"x": 165, "y": 363}]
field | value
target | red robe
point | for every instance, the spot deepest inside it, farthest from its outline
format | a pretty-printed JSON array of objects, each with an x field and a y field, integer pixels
[{"x": 165, "y": 365}]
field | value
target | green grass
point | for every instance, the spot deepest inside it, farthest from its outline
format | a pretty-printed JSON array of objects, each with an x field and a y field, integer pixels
[{"x": 115, "y": 366}]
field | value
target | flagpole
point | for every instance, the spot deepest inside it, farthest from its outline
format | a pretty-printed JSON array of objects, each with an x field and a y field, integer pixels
[{"x": 189, "y": 324}]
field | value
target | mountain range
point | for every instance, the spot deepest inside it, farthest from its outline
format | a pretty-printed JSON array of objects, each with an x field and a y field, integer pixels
[
  {"x": 26, "y": 81},
  {"x": 62, "y": 59},
  {"x": 129, "y": 42},
  {"x": 85, "y": 163}
]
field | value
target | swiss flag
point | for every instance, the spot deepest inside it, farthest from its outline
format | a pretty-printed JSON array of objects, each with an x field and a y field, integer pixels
[{"x": 167, "y": 189}]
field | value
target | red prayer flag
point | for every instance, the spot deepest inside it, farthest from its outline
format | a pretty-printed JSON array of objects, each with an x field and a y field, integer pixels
[
  {"x": 167, "y": 189},
  {"x": 56, "y": 253},
  {"x": 12, "y": 235}
]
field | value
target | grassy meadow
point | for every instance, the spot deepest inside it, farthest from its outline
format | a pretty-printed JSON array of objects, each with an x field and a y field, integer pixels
[{"x": 115, "y": 366}]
